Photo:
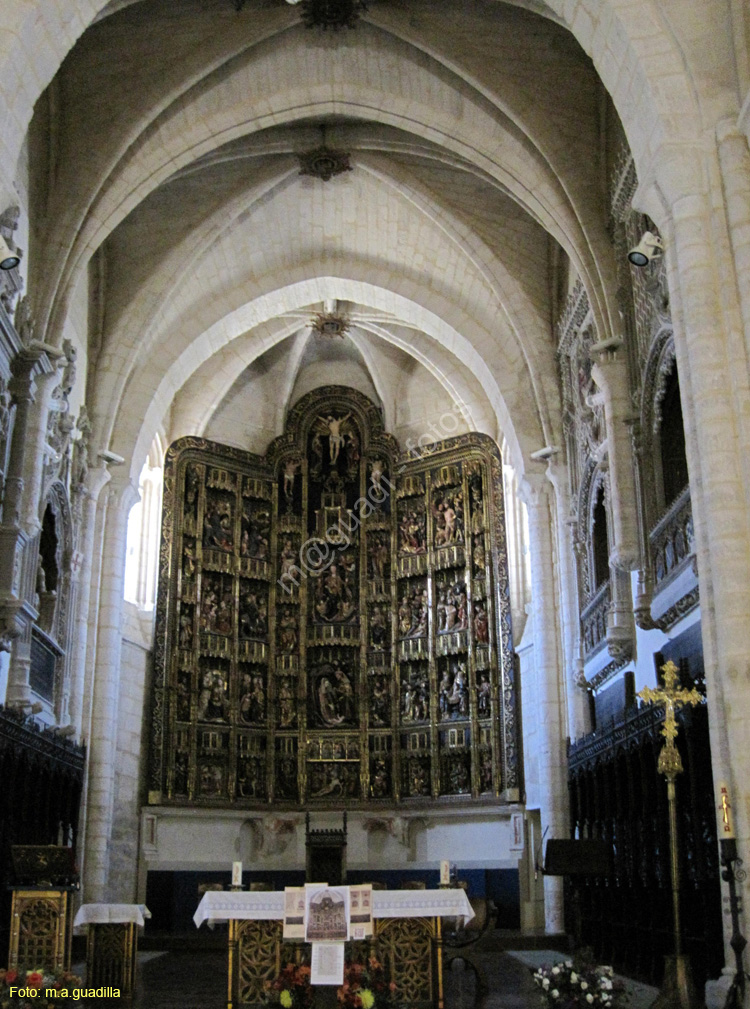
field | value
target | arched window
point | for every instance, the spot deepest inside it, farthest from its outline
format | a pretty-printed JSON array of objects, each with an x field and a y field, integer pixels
[
  {"x": 600, "y": 540},
  {"x": 672, "y": 440},
  {"x": 144, "y": 530}
]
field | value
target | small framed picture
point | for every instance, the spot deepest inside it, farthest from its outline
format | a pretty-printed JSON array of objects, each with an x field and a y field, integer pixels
[{"x": 516, "y": 832}]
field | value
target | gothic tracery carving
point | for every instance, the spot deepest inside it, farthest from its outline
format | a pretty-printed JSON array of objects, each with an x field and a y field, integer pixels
[{"x": 329, "y": 632}]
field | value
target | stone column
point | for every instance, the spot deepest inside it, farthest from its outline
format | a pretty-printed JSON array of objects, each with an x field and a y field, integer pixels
[
  {"x": 711, "y": 351},
  {"x": 734, "y": 159},
  {"x": 610, "y": 372},
  {"x": 578, "y": 710},
  {"x": 549, "y": 711},
  {"x": 95, "y": 482},
  {"x": 102, "y": 743}
]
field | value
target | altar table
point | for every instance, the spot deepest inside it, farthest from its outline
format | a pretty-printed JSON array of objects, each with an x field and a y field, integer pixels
[
  {"x": 407, "y": 940},
  {"x": 112, "y": 943}
]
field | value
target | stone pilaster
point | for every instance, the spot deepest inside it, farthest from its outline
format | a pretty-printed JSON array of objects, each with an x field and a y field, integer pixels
[
  {"x": 95, "y": 482},
  {"x": 578, "y": 712},
  {"x": 549, "y": 710},
  {"x": 105, "y": 679},
  {"x": 32, "y": 381}
]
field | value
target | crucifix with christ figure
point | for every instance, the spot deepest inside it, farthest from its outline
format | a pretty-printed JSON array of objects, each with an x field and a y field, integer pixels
[{"x": 678, "y": 989}]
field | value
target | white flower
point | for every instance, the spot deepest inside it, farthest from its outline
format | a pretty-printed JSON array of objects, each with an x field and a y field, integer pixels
[
  {"x": 555, "y": 993},
  {"x": 555, "y": 970},
  {"x": 589, "y": 997},
  {"x": 584, "y": 986},
  {"x": 568, "y": 963},
  {"x": 573, "y": 977},
  {"x": 545, "y": 983}
]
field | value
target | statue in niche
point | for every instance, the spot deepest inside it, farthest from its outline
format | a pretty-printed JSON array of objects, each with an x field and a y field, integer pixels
[
  {"x": 181, "y": 773},
  {"x": 286, "y": 778},
  {"x": 253, "y": 615},
  {"x": 477, "y": 508},
  {"x": 291, "y": 468},
  {"x": 418, "y": 782},
  {"x": 460, "y": 780},
  {"x": 212, "y": 779},
  {"x": 288, "y": 630},
  {"x": 186, "y": 631},
  {"x": 379, "y": 780},
  {"x": 415, "y": 703},
  {"x": 287, "y": 714},
  {"x": 218, "y": 524},
  {"x": 485, "y": 771},
  {"x": 250, "y": 779},
  {"x": 288, "y": 566},
  {"x": 252, "y": 699},
  {"x": 483, "y": 696},
  {"x": 378, "y": 629},
  {"x": 188, "y": 559},
  {"x": 192, "y": 487},
  {"x": 413, "y": 614},
  {"x": 481, "y": 624},
  {"x": 334, "y": 426},
  {"x": 377, "y": 472},
  {"x": 380, "y": 705},
  {"x": 212, "y": 699},
  {"x": 479, "y": 558},
  {"x": 352, "y": 452},
  {"x": 449, "y": 521},
  {"x": 183, "y": 699},
  {"x": 452, "y": 609},
  {"x": 454, "y": 693},
  {"x": 216, "y": 606},
  {"x": 256, "y": 530},
  {"x": 326, "y": 781},
  {"x": 335, "y": 591},
  {"x": 413, "y": 530},
  {"x": 378, "y": 555},
  {"x": 334, "y": 696}
]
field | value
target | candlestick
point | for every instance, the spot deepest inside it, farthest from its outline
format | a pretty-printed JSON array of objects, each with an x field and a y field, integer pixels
[
  {"x": 236, "y": 873},
  {"x": 726, "y": 824}
]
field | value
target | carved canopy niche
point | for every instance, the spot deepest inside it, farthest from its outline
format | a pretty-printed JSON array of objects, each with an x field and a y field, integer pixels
[{"x": 333, "y": 623}]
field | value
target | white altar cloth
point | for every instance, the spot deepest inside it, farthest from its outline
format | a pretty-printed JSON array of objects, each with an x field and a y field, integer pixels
[
  {"x": 221, "y": 905},
  {"x": 110, "y": 914}
]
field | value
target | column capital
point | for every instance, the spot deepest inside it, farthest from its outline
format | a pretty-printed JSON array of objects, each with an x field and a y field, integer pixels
[
  {"x": 97, "y": 479},
  {"x": 534, "y": 489},
  {"x": 123, "y": 493}
]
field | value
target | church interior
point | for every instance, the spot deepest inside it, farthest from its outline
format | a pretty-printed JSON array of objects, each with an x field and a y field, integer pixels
[{"x": 375, "y": 476}]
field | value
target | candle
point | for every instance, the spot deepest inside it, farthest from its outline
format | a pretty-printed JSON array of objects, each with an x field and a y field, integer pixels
[
  {"x": 445, "y": 872},
  {"x": 726, "y": 826},
  {"x": 236, "y": 873}
]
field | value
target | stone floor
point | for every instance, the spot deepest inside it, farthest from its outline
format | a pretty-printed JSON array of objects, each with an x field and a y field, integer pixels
[{"x": 473, "y": 977}]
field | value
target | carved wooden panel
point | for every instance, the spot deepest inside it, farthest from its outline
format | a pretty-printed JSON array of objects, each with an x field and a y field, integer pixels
[{"x": 333, "y": 624}]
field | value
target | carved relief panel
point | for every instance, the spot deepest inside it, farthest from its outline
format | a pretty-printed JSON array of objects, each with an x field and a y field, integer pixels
[{"x": 333, "y": 619}]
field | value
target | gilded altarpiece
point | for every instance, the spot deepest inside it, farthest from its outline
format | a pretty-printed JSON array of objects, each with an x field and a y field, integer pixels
[{"x": 333, "y": 623}]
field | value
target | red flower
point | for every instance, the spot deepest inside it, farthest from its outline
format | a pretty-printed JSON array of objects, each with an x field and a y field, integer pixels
[
  {"x": 11, "y": 976},
  {"x": 34, "y": 979}
]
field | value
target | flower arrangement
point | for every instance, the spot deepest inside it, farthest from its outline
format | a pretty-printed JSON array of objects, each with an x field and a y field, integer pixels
[
  {"x": 291, "y": 989},
  {"x": 567, "y": 985},
  {"x": 366, "y": 986},
  {"x": 16, "y": 987}
]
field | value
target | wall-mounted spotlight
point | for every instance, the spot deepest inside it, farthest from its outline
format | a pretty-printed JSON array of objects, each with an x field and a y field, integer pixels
[
  {"x": 9, "y": 259},
  {"x": 649, "y": 247}
]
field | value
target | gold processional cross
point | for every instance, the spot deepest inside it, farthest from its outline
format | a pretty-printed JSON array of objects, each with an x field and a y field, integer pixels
[{"x": 670, "y": 765}]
